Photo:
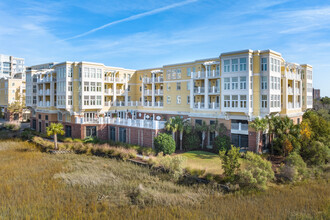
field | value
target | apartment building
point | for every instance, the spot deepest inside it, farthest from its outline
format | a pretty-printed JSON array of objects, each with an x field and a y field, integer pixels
[
  {"x": 9, "y": 66},
  {"x": 132, "y": 105},
  {"x": 12, "y": 90}
]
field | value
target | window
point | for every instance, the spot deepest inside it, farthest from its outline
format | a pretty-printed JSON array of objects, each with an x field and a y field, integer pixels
[
  {"x": 98, "y": 100},
  {"x": 279, "y": 83},
  {"x": 178, "y": 86},
  {"x": 99, "y": 73},
  {"x": 226, "y": 103},
  {"x": 178, "y": 99},
  {"x": 129, "y": 88},
  {"x": 70, "y": 100},
  {"x": 243, "y": 82},
  {"x": 272, "y": 64},
  {"x": 92, "y": 100},
  {"x": 168, "y": 99},
  {"x": 46, "y": 117},
  {"x": 278, "y": 101},
  {"x": 242, "y": 64},
  {"x": 194, "y": 69},
  {"x": 234, "y": 83},
  {"x": 86, "y": 86},
  {"x": 188, "y": 99},
  {"x": 99, "y": 85},
  {"x": 264, "y": 101},
  {"x": 227, "y": 83},
  {"x": 251, "y": 101},
  {"x": 59, "y": 116},
  {"x": 86, "y": 100},
  {"x": 140, "y": 88},
  {"x": 188, "y": 71},
  {"x": 86, "y": 72},
  {"x": 168, "y": 74},
  {"x": 263, "y": 64},
  {"x": 39, "y": 116},
  {"x": 272, "y": 101},
  {"x": 90, "y": 131},
  {"x": 234, "y": 101},
  {"x": 178, "y": 72},
  {"x": 264, "y": 82},
  {"x": 251, "y": 63},
  {"x": 278, "y": 66},
  {"x": 251, "y": 82},
  {"x": 168, "y": 86},
  {"x": 188, "y": 85},
  {"x": 243, "y": 101},
  {"x": 272, "y": 82},
  {"x": 70, "y": 71},
  {"x": 226, "y": 66},
  {"x": 70, "y": 86},
  {"x": 93, "y": 87},
  {"x": 234, "y": 65}
]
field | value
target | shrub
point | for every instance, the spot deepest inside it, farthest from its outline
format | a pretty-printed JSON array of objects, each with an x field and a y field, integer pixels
[
  {"x": 191, "y": 141},
  {"x": 257, "y": 172},
  {"x": 12, "y": 125},
  {"x": 315, "y": 154},
  {"x": 171, "y": 164},
  {"x": 93, "y": 140},
  {"x": 221, "y": 143},
  {"x": 295, "y": 168},
  {"x": 77, "y": 140},
  {"x": 68, "y": 140},
  {"x": 229, "y": 161},
  {"x": 28, "y": 134},
  {"x": 164, "y": 143}
]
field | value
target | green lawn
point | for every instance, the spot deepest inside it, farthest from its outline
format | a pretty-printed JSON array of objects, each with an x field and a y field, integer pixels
[{"x": 202, "y": 160}]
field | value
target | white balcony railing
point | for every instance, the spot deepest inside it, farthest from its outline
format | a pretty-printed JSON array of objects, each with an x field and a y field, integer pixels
[
  {"x": 214, "y": 90},
  {"x": 147, "y": 92},
  {"x": 120, "y": 91},
  {"x": 199, "y": 105},
  {"x": 141, "y": 123},
  {"x": 290, "y": 105},
  {"x": 109, "y": 79},
  {"x": 108, "y": 91},
  {"x": 159, "y": 92},
  {"x": 159, "y": 104},
  {"x": 47, "y": 92},
  {"x": 134, "y": 103},
  {"x": 199, "y": 75},
  {"x": 239, "y": 126},
  {"x": 199, "y": 90},
  {"x": 159, "y": 79},
  {"x": 213, "y": 73},
  {"x": 40, "y": 92},
  {"x": 214, "y": 105},
  {"x": 120, "y": 103},
  {"x": 148, "y": 103},
  {"x": 290, "y": 90}
]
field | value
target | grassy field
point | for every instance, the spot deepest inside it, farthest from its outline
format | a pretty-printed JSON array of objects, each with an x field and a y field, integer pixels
[{"x": 43, "y": 186}]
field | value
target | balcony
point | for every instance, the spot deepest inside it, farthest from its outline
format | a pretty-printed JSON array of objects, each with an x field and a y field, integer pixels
[
  {"x": 159, "y": 92},
  {"x": 297, "y": 105},
  {"x": 297, "y": 91},
  {"x": 159, "y": 79},
  {"x": 47, "y": 103},
  {"x": 294, "y": 76},
  {"x": 213, "y": 74},
  {"x": 199, "y": 105},
  {"x": 147, "y": 80},
  {"x": 148, "y": 104},
  {"x": 199, "y": 75},
  {"x": 134, "y": 103},
  {"x": 214, "y": 90},
  {"x": 290, "y": 91},
  {"x": 159, "y": 104},
  {"x": 47, "y": 92},
  {"x": 125, "y": 122},
  {"x": 109, "y": 79},
  {"x": 148, "y": 92},
  {"x": 120, "y": 80},
  {"x": 40, "y": 92},
  {"x": 290, "y": 105},
  {"x": 108, "y": 91},
  {"x": 120, "y": 103},
  {"x": 199, "y": 90},
  {"x": 239, "y": 128},
  {"x": 108, "y": 103},
  {"x": 40, "y": 103},
  {"x": 214, "y": 105},
  {"x": 120, "y": 91}
]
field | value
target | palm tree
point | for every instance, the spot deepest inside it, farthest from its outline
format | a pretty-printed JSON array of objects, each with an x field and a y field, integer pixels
[
  {"x": 173, "y": 125},
  {"x": 259, "y": 125},
  {"x": 272, "y": 121},
  {"x": 202, "y": 128},
  {"x": 54, "y": 129},
  {"x": 218, "y": 128},
  {"x": 183, "y": 126}
]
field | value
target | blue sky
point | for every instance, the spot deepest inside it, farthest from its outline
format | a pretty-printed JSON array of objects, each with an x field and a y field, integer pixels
[{"x": 144, "y": 34}]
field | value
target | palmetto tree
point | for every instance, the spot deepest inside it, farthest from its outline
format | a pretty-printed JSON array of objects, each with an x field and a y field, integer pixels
[
  {"x": 259, "y": 125},
  {"x": 218, "y": 128},
  {"x": 272, "y": 122},
  {"x": 183, "y": 126},
  {"x": 202, "y": 128},
  {"x": 54, "y": 129}
]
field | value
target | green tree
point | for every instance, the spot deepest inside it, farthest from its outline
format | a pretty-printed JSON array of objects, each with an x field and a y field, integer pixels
[
  {"x": 230, "y": 163},
  {"x": 173, "y": 125},
  {"x": 259, "y": 125},
  {"x": 54, "y": 129},
  {"x": 183, "y": 126},
  {"x": 202, "y": 128},
  {"x": 164, "y": 143},
  {"x": 221, "y": 143}
]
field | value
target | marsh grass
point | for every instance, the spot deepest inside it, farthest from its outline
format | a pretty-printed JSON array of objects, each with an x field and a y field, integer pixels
[{"x": 44, "y": 186}]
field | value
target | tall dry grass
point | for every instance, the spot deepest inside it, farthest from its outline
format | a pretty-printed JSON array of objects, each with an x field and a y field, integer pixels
[{"x": 43, "y": 186}]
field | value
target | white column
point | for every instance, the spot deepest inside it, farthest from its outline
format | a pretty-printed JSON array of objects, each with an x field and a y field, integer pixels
[
  {"x": 142, "y": 93},
  {"x": 192, "y": 92},
  {"x": 126, "y": 93},
  {"x": 114, "y": 92},
  {"x": 153, "y": 90}
]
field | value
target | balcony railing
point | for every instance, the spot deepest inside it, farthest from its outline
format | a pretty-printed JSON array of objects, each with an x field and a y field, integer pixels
[
  {"x": 294, "y": 76},
  {"x": 213, "y": 74},
  {"x": 148, "y": 103},
  {"x": 199, "y": 90},
  {"x": 290, "y": 90},
  {"x": 147, "y": 80},
  {"x": 120, "y": 80},
  {"x": 214, "y": 90},
  {"x": 290, "y": 105},
  {"x": 147, "y": 92},
  {"x": 125, "y": 122},
  {"x": 47, "y": 92},
  {"x": 159, "y": 92},
  {"x": 199, "y": 75},
  {"x": 239, "y": 126},
  {"x": 199, "y": 105},
  {"x": 120, "y": 91},
  {"x": 159, "y": 104},
  {"x": 108, "y": 91},
  {"x": 109, "y": 79},
  {"x": 159, "y": 79},
  {"x": 120, "y": 103},
  {"x": 134, "y": 103},
  {"x": 214, "y": 105},
  {"x": 40, "y": 92}
]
